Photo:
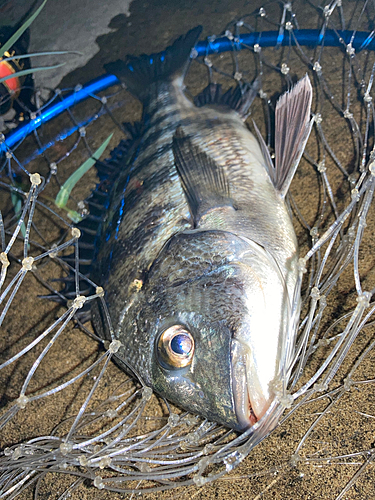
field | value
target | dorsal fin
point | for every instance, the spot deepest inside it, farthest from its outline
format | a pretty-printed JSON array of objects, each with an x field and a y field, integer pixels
[
  {"x": 204, "y": 182},
  {"x": 211, "y": 94},
  {"x": 138, "y": 73},
  {"x": 238, "y": 98},
  {"x": 133, "y": 130}
]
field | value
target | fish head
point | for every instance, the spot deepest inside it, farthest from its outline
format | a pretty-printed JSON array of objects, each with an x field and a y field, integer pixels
[{"x": 215, "y": 315}]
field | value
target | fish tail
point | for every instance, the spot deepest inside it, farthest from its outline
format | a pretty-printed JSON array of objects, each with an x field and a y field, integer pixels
[{"x": 138, "y": 73}]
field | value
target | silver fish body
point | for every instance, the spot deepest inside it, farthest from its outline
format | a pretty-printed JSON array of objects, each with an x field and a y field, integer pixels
[{"x": 199, "y": 259}]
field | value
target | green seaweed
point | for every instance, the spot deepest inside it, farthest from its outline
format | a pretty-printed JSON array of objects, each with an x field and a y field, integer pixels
[
  {"x": 48, "y": 53},
  {"x": 30, "y": 70},
  {"x": 12, "y": 40},
  {"x": 65, "y": 190}
]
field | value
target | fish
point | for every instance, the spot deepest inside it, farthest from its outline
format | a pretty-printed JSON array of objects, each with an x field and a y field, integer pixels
[{"x": 196, "y": 250}]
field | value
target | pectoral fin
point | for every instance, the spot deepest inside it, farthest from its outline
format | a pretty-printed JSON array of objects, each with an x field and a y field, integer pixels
[{"x": 205, "y": 183}]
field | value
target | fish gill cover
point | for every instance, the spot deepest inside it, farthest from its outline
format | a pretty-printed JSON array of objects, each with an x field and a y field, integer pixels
[{"x": 72, "y": 423}]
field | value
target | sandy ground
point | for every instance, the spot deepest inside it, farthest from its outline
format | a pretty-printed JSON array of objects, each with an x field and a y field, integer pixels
[{"x": 151, "y": 26}]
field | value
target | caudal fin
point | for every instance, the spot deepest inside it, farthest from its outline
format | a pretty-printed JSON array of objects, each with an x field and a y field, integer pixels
[{"x": 138, "y": 73}]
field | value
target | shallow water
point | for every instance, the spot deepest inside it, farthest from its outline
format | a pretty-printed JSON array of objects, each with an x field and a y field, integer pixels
[{"x": 271, "y": 470}]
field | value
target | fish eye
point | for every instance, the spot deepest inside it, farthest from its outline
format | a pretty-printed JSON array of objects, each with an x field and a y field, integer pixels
[{"x": 175, "y": 347}]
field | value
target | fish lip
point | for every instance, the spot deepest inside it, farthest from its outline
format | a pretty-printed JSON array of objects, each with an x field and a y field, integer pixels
[{"x": 246, "y": 416}]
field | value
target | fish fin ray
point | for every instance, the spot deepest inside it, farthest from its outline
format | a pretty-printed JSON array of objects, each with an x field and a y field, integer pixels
[
  {"x": 133, "y": 130},
  {"x": 205, "y": 183},
  {"x": 238, "y": 98},
  {"x": 292, "y": 129},
  {"x": 111, "y": 167},
  {"x": 212, "y": 94},
  {"x": 138, "y": 73},
  {"x": 266, "y": 155}
]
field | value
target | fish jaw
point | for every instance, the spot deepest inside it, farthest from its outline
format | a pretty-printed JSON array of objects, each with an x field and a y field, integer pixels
[
  {"x": 249, "y": 399},
  {"x": 245, "y": 414},
  {"x": 260, "y": 343}
]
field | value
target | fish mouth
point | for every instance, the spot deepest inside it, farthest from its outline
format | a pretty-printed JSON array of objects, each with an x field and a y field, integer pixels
[{"x": 249, "y": 400}]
